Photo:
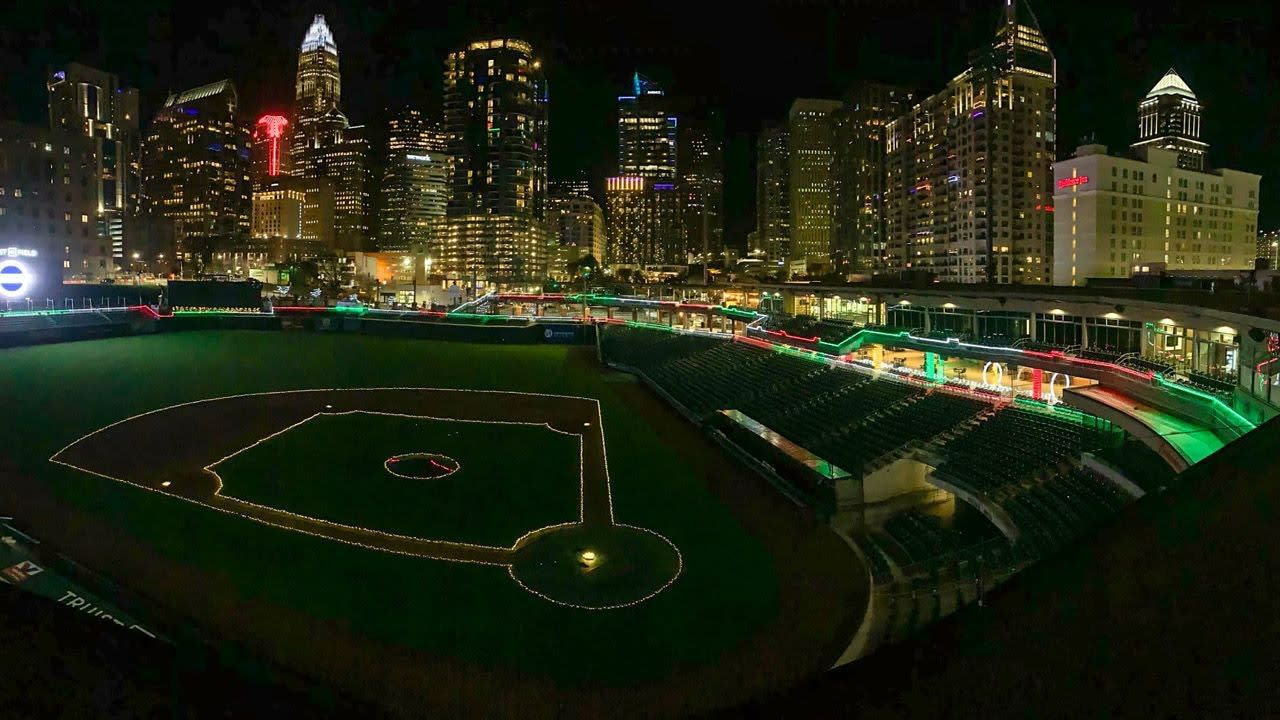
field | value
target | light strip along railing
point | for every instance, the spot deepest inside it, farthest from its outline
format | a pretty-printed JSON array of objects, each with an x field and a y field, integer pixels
[
  {"x": 1241, "y": 422},
  {"x": 594, "y": 300},
  {"x": 65, "y": 311},
  {"x": 863, "y": 336}
]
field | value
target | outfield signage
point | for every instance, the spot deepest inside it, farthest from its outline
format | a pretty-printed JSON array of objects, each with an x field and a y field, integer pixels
[
  {"x": 19, "y": 569},
  {"x": 16, "y": 279},
  {"x": 560, "y": 334}
]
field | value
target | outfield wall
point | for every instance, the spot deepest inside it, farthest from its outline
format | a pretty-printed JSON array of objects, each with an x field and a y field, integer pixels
[{"x": 39, "y": 329}]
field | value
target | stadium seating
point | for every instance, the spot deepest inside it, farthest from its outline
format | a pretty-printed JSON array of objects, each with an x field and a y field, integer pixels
[
  {"x": 1024, "y": 461},
  {"x": 828, "y": 330},
  {"x": 1218, "y": 385}
]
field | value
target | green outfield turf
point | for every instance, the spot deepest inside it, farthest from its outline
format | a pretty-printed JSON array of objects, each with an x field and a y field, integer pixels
[
  {"x": 510, "y": 479},
  {"x": 728, "y": 589}
]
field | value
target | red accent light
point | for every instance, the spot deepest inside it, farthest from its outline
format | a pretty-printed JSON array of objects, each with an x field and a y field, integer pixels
[
  {"x": 1065, "y": 183},
  {"x": 273, "y": 128},
  {"x": 754, "y": 342},
  {"x": 789, "y": 336}
]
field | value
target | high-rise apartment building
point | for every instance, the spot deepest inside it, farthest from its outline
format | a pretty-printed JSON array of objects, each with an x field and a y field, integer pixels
[
  {"x": 701, "y": 186},
  {"x": 324, "y": 144},
  {"x": 773, "y": 194},
  {"x": 1268, "y": 249},
  {"x": 269, "y": 158},
  {"x": 1117, "y": 214},
  {"x": 195, "y": 169},
  {"x": 857, "y": 175},
  {"x": 495, "y": 122},
  {"x": 415, "y": 183},
  {"x": 1169, "y": 118},
  {"x": 628, "y": 221},
  {"x": 968, "y": 169},
  {"x": 93, "y": 103},
  {"x": 809, "y": 153},
  {"x": 49, "y": 229},
  {"x": 577, "y": 225}
]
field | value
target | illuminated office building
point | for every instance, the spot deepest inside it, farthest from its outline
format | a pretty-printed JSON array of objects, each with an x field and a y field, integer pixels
[
  {"x": 415, "y": 183},
  {"x": 1114, "y": 216},
  {"x": 773, "y": 194},
  {"x": 1169, "y": 118},
  {"x": 318, "y": 121},
  {"x": 647, "y": 149},
  {"x": 968, "y": 169},
  {"x": 195, "y": 169},
  {"x": 48, "y": 209},
  {"x": 857, "y": 176},
  {"x": 324, "y": 144},
  {"x": 702, "y": 187},
  {"x": 495, "y": 122},
  {"x": 277, "y": 210},
  {"x": 93, "y": 103},
  {"x": 269, "y": 158},
  {"x": 317, "y": 211},
  {"x": 809, "y": 153},
  {"x": 646, "y": 133}
]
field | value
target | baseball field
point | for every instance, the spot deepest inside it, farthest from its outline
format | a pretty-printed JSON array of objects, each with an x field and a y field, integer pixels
[{"x": 429, "y": 526}]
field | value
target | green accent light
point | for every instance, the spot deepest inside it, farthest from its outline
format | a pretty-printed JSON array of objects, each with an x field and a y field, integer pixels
[{"x": 1242, "y": 423}]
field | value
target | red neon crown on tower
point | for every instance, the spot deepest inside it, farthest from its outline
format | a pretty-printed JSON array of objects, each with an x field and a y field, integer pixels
[{"x": 273, "y": 126}]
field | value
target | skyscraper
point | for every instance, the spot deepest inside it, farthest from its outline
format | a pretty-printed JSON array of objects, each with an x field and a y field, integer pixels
[
  {"x": 495, "y": 122},
  {"x": 857, "y": 176},
  {"x": 318, "y": 91},
  {"x": 93, "y": 103},
  {"x": 195, "y": 169},
  {"x": 647, "y": 149},
  {"x": 773, "y": 194},
  {"x": 270, "y": 154},
  {"x": 968, "y": 168},
  {"x": 811, "y": 137},
  {"x": 646, "y": 132},
  {"x": 415, "y": 184},
  {"x": 1169, "y": 118},
  {"x": 324, "y": 144},
  {"x": 702, "y": 186}
]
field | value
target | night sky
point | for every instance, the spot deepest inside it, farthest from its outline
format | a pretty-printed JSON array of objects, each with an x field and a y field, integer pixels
[{"x": 748, "y": 58}]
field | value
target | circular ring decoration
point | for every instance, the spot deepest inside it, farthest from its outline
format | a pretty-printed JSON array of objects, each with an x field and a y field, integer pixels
[
  {"x": 15, "y": 278},
  {"x": 421, "y": 466}
]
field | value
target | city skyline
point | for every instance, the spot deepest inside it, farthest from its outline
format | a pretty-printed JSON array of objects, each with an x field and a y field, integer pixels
[{"x": 586, "y": 62}]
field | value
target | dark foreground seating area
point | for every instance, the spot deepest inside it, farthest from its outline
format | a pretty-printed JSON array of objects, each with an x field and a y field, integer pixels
[{"x": 1021, "y": 463}]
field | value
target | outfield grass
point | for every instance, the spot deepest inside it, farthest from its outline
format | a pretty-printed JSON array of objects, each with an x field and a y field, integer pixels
[
  {"x": 55, "y": 393},
  {"x": 512, "y": 478}
]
